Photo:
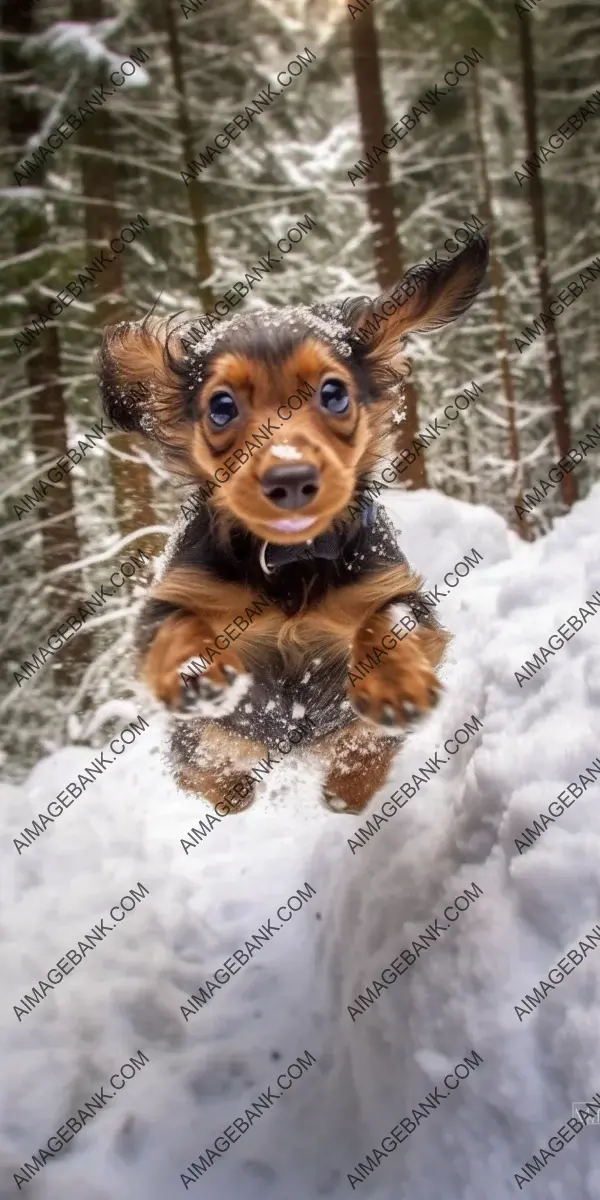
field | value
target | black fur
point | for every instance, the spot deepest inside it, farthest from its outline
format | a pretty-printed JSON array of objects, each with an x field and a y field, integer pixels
[
  {"x": 271, "y": 337},
  {"x": 266, "y": 711},
  {"x": 275, "y": 691}
]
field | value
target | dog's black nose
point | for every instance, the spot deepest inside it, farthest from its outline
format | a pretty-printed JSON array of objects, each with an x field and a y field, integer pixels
[{"x": 291, "y": 487}]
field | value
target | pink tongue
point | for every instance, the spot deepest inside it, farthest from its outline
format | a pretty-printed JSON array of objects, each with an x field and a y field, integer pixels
[{"x": 293, "y": 524}]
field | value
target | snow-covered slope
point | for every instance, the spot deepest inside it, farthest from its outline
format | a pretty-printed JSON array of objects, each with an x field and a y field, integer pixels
[{"x": 371, "y": 901}]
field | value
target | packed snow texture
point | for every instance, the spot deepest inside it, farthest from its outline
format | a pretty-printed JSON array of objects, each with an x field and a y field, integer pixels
[{"x": 457, "y": 997}]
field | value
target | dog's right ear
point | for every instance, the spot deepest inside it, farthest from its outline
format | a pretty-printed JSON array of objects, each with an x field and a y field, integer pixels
[{"x": 138, "y": 379}]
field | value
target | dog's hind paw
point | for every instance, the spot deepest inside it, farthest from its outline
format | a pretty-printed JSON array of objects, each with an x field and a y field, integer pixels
[
  {"x": 215, "y": 692},
  {"x": 334, "y": 803}
]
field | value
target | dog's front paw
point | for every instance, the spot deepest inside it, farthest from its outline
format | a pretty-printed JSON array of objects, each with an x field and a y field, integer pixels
[
  {"x": 215, "y": 692},
  {"x": 397, "y": 692}
]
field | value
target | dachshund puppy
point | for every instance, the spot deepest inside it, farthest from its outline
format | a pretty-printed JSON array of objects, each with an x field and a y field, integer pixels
[{"x": 278, "y": 581}]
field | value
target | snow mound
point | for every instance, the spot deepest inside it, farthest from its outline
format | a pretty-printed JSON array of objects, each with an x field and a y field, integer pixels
[{"x": 375, "y": 893}]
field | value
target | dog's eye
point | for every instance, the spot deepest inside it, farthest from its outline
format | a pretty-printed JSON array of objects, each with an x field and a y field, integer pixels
[
  {"x": 334, "y": 396},
  {"x": 222, "y": 409}
]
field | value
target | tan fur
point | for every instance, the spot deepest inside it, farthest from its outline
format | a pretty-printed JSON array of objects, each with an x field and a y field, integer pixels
[
  {"x": 137, "y": 356},
  {"x": 359, "y": 764},
  {"x": 231, "y": 757},
  {"x": 260, "y": 389},
  {"x": 179, "y": 638},
  {"x": 348, "y": 619},
  {"x": 344, "y": 622},
  {"x": 332, "y": 622},
  {"x": 405, "y": 675},
  {"x": 438, "y": 297}
]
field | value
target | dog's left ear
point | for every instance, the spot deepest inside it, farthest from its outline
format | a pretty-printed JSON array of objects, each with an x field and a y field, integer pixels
[{"x": 425, "y": 299}]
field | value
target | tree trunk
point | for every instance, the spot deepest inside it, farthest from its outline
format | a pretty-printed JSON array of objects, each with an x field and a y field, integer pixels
[
  {"x": 522, "y": 527},
  {"x": 58, "y": 532},
  {"x": 131, "y": 480},
  {"x": 536, "y": 199},
  {"x": 464, "y": 442},
  {"x": 389, "y": 257},
  {"x": 198, "y": 208}
]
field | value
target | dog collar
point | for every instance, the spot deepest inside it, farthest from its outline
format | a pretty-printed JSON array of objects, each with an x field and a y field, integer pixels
[{"x": 329, "y": 545}]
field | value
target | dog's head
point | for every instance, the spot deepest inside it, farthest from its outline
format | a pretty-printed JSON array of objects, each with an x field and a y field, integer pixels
[{"x": 277, "y": 415}]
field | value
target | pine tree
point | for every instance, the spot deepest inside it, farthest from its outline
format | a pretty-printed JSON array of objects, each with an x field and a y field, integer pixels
[
  {"x": 196, "y": 192},
  {"x": 389, "y": 256},
  {"x": 535, "y": 186},
  {"x": 500, "y": 312},
  {"x": 54, "y": 516}
]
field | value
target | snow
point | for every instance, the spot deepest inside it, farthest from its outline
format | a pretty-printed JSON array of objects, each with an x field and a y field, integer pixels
[
  {"x": 286, "y": 451},
  {"x": 82, "y": 44},
  {"x": 221, "y": 705},
  {"x": 322, "y": 320},
  {"x": 370, "y": 904},
  {"x": 81, "y": 47}
]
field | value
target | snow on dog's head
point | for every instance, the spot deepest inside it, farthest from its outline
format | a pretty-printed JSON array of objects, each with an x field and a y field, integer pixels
[{"x": 289, "y": 408}]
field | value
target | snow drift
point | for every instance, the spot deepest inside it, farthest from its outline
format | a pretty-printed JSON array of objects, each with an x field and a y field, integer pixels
[{"x": 371, "y": 900}]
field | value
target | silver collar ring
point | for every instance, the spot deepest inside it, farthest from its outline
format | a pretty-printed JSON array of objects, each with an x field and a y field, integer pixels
[{"x": 263, "y": 560}]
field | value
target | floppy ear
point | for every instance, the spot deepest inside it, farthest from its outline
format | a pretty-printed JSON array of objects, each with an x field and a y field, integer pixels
[
  {"x": 425, "y": 299},
  {"x": 139, "y": 383}
]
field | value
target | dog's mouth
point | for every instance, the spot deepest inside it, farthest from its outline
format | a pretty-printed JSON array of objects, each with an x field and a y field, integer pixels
[
  {"x": 307, "y": 497},
  {"x": 293, "y": 498},
  {"x": 292, "y": 524},
  {"x": 295, "y": 529}
]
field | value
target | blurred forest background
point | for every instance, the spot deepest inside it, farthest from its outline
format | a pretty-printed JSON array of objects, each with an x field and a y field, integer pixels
[{"x": 206, "y": 60}]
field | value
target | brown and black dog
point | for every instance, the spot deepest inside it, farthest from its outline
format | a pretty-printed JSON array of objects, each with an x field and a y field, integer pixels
[{"x": 289, "y": 411}]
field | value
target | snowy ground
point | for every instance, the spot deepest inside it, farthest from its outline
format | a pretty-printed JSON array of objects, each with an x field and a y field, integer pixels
[{"x": 458, "y": 997}]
